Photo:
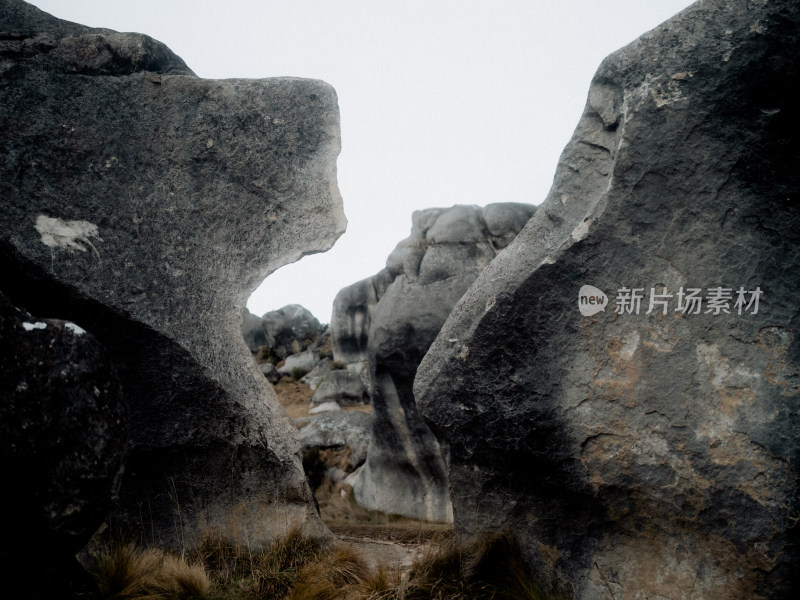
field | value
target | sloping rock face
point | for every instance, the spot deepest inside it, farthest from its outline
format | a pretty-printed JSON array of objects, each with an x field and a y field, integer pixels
[
  {"x": 151, "y": 203},
  {"x": 63, "y": 426},
  {"x": 649, "y": 453},
  {"x": 405, "y": 472}
]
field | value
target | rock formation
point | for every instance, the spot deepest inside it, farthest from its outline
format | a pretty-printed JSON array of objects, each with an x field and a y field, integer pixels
[
  {"x": 429, "y": 271},
  {"x": 341, "y": 386},
  {"x": 253, "y": 332},
  {"x": 334, "y": 443},
  {"x": 353, "y": 308},
  {"x": 291, "y": 329},
  {"x": 648, "y": 450},
  {"x": 64, "y": 428},
  {"x": 151, "y": 203}
]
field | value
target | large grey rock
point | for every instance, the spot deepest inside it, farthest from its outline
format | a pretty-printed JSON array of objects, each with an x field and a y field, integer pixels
[
  {"x": 305, "y": 361},
  {"x": 253, "y": 332},
  {"x": 351, "y": 319},
  {"x": 151, "y": 203},
  {"x": 63, "y": 434},
  {"x": 448, "y": 247},
  {"x": 291, "y": 329},
  {"x": 334, "y": 445},
  {"x": 341, "y": 386},
  {"x": 269, "y": 371},
  {"x": 338, "y": 429},
  {"x": 646, "y": 455}
]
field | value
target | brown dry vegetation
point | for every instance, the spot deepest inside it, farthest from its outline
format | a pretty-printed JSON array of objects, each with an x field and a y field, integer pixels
[
  {"x": 295, "y": 397},
  {"x": 299, "y": 568}
]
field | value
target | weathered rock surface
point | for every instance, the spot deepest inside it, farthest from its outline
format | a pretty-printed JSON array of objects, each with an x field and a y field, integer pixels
[
  {"x": 291, "y": 329},
  {"x": 305, "y": 361},
  {"x": 341, "y": 386},
  {"x": 151, "y": 203},
  {"x": 337, "y": 430},
  {"x": 351, "y": 319},
  {"x": 649, "y": 455},
  {"x": 448, "y": 247},
  {"x": 253, "y": 332},
  {"x": 334, "y": 445},
  {"x": 269, "y": 371},
  {"x": 63, "y": 427}
]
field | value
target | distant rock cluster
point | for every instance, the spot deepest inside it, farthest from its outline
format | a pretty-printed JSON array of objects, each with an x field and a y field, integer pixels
[{"x": 385, "y": 325}]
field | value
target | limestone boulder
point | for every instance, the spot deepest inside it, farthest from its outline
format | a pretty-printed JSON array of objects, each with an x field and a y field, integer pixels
[
  {"x": 291, "y": 329},
  {"x": 337, "y": 430},
  {"x": 304, "y": 361},
  {"x": 351, "y": 319},
  {"x": 253, "y": 332},
  {"x": 646, "y": 449},
  {"x": 269, "y": 371},
  {"x": 151, "y": 203},
  {"x": 448, "y": 247},
  {"x": 341, "y": 386},
  {"x": 64, "y": 431}
]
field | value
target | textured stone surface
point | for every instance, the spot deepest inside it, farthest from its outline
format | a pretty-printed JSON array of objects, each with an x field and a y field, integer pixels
[
  {"x": 430, "y": 270},
  {"x": 151, "y": 203},
  {"x": 334, "y": 445},
  {"x": 646, "y": 455},
  {"x": 337, "y": 430},
  {"x": 269, "y": 371},
  {"x": 253, "y": 331},
  {"x": 291, "y": 329},
  {"x": 341, "y": 386},
  {"x": 63, "y": 433},
  {"x": 353, "y": 308},
  {"x": 305, "y": 361}
]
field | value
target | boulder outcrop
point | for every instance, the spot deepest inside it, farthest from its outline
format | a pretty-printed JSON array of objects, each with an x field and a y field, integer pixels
[
  {"x": 151, "y": 203},
  {"x": 253, "y": 332},
  {"x": 447, "y": 249},
  {"x": 650, "y": 447},
  {"x": 64, "y": 429},
  {"x": 291, "y": 329},
  {"x": 341, "y": 386},
  {"x": 334, "y": 443},
  {"x": 351, "y": 319}
]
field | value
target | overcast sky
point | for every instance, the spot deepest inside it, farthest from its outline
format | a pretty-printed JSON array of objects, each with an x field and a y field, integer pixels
[{"x": 442, "y": 102}]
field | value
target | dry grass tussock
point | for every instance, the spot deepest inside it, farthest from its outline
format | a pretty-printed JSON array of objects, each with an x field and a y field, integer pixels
[
  {"x": 299, "y": 568},
  {"x": 124, "y": 571}
]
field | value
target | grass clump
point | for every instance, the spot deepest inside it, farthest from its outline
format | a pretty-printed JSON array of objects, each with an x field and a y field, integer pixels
[
  {"x": 266, "y": 354},
  {"x": 342, "y": 575},
  {"x": 489, "y": 568},
  {"x": 123, "y": 571},
  {"x": 298, "y": 373},
  {"x": 297, "y": 567},
  {"x": 255, "y": 575}
]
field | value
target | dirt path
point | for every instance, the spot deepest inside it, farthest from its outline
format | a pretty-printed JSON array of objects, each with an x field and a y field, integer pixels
[{"x": 392, "y": 545}]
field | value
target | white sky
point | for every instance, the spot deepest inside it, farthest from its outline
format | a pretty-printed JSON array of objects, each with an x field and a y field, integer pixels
[{"x": 442, "y": 102}]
